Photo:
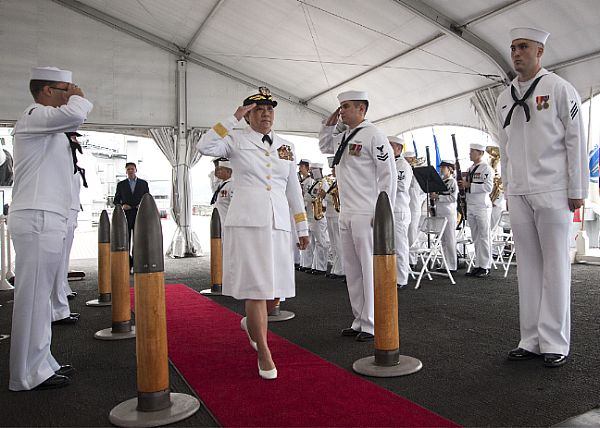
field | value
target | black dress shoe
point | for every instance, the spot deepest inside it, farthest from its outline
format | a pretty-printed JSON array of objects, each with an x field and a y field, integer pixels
[
  {"x": 72, "y": 295},
  {"x": 54, "y": 381},
  {"x": 520, "y": 354},
  {"x": 554, "y": 360},
  {"x": 482, "y": 273},
  {"x": 401, "y": 286},
  {"x": 67, "y": 320},
  {"x": 473, "y": 272},
  {"x": 364, "y": 337},
  {"x": 317, "y": 272},
  {"x": 75, "y": 315},
  {"x": 65, "y": 370},
  {"x": 349, "y": 332}
]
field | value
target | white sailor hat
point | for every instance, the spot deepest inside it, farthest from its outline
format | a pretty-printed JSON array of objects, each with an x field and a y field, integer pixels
[
  {"x": 316, "y": 166},
  {"x": 353, "y": 96},
  {"x": 225, "y": 164},
  {"x": 447, "y": 163},
  {"x": 304, "y": 162},
  {"x": 534, "y": 34},
  {"x": 409, "y": 154},
  {"x": 396, "y": 140},
  {"x": 51, "y": 74},
  {"x": 476, "y": 146}
]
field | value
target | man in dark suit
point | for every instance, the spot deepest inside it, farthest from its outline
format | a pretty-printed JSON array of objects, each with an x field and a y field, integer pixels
[{"x": 129, "y": 194}]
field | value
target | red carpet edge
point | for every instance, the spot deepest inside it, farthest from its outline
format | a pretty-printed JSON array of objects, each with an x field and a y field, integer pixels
[{"x": 214, "y": 356}]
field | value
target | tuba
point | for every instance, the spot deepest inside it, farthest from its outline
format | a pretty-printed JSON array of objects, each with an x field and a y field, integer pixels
[{"x": 494, "y": 153}]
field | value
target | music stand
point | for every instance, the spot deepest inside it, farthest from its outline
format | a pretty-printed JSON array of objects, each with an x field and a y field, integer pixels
[{"x": 429, "y": 179}]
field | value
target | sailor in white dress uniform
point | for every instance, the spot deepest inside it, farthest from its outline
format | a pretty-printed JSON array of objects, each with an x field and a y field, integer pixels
[
  {"x": 417, "y": 197},
  {"x": 545, "y": 176},
  {"x": 222, "y": 194},
  {"x": 257, "y": 256},
  {"x": 477, "y": 187},
  {"x": 365, "y": 167},
  {"x": 317, "y": 228},
  {"x": 445, "y": 206},
  {"x": 401, "y": 211},
  {"x": 38, "y": 220}
]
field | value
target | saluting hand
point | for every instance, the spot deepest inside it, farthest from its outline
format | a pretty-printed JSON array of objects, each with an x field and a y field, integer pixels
[
  {"x": 333, "y": 119},
  {"x": 73, "y": 89},
  {"x": 242, "y": 110}
]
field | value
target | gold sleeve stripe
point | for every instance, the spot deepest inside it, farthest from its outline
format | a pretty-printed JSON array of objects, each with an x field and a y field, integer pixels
[
  {"x": 220, "y": 130},
  {"x": 300, "y": 217}
]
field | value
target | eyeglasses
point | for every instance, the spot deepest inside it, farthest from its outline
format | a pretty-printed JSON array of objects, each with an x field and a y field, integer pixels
[{"x": 60, "y": 89}]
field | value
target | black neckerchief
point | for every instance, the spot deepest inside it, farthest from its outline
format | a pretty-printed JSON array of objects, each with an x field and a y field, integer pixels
[
  {"x": 76, "y": 147},
  {"x": 471, "y": 175},
  {"x": 216, "y": 194},
  {"x": 521, "y": 102},
  {"x": 340, "y": 151}
]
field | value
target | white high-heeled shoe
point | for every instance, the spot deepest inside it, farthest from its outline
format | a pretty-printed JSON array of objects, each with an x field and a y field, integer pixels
[
  {"x": 244, "y": 327},
  {"x": 267, "y": 374}
]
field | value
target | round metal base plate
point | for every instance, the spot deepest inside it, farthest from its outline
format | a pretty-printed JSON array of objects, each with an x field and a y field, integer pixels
[
  {"x": 209, "y": 292},
  {"x": 125, "y": 414},
  {"x": 366, "y": 366},
  {"x": 95, "y": 302},
  {"x": 282, "y": 316},
  {"x": 107, "y": 334},
  {"x": 5, "y": 285}
]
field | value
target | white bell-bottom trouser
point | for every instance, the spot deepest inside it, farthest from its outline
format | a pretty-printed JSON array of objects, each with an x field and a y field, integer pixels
[
  {"x": 321, "y": 244},
  {"x": 401, "y": 224},
  {"x": 38, "y": 238},
  {"x": 335, "y": 247},
  {"x": 356, "y": 235},
  {"x": 58, "y": 298},
  {"x": 449, "y": 235},
  {"x": 541, "y": 227},
  {"x": 479, "y": 222}
]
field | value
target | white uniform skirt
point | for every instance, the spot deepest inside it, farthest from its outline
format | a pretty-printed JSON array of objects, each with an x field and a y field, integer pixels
[{"x": 258, "y": 263}]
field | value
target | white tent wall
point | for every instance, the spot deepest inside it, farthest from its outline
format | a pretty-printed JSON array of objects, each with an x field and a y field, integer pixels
[{"x": 129, "y": 81}]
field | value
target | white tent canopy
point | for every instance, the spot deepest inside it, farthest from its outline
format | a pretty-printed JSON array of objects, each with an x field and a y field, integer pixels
[
  {"x": 179, "y": 66},
  {"x": 420, "y": 61}
]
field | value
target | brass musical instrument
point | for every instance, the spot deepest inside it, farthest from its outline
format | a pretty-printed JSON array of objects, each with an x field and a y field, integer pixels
[
  {"x": 317, "y": 202},
  {"x": 333, "y": 191},
  {"x": 494, "y": 153},
  {"x": 414, "y": 162}
]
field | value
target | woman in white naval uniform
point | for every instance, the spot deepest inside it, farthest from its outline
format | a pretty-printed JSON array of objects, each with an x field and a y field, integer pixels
[
  {"x": 257, "y": 258},
  {"x": 401, "y": 211},
  {"x": 545, "y": 176},
  {"x": 479, "y": 207},
  {"x": 366, "y": 168},
  {"x": 445, "y": 206},
  {"x": 38, "y": 221}
]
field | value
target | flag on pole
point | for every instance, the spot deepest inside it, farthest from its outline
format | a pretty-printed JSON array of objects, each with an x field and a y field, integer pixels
[
  {"x": 415, "y": 147},
  {"x": 438, "y": 158},
  {"x": 594, "y": 164}
]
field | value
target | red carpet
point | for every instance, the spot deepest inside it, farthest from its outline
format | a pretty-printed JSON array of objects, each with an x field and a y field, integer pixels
[{"x": 213, "y": 354}]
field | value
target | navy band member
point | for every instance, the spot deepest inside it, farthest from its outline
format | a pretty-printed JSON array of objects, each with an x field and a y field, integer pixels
[
  {"x": 401, "y": 211},
  {"x": 365, "y": 167},
  {"x": 223, "y": 193},
  {"x": 317, "y": 222},
  {"x": 257, "y": 258},
  {"x": 545, "y": 176},
  {"x": 330, "y": 193},
  {"x": 417, "y": 199},
  {"x": 306, "y": 182},
  {"x": 478, "y": 185},
  {"x": 38, "y": 221},
  {"x": 446, "y": 207}
]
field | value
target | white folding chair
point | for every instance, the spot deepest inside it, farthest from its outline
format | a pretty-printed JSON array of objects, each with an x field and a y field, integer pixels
[
  {"x": 464, "y": 241},
  {"x": 503, "y": 242},
  {"x": 432, "y": 229}
]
